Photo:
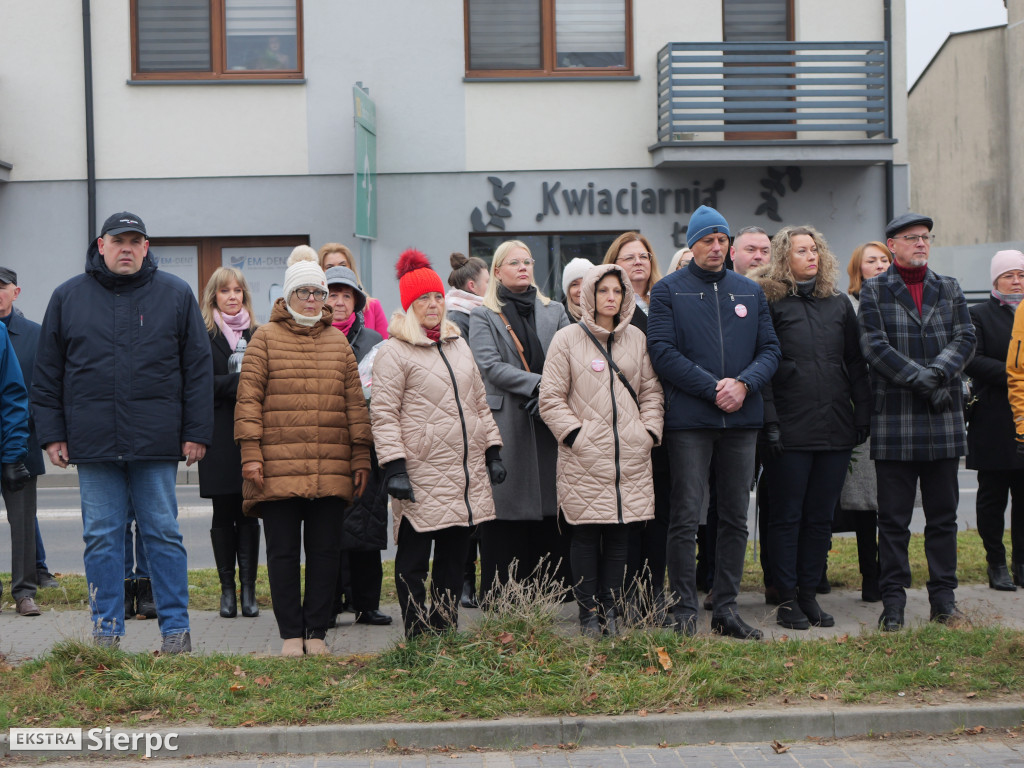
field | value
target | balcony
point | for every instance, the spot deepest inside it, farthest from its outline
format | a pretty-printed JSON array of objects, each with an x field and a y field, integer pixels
[{"x": 799, "y": 103}]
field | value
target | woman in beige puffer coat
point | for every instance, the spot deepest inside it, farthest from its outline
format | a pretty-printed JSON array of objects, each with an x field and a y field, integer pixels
[
  {"x": 437, "y": 444},
  {"x": 605, "y": 431}
]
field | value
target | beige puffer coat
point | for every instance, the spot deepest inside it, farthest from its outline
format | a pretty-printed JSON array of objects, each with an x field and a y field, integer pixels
[
  {"x": 605, "y": 477},
  {"x": 428, "y": 407},
  {"x": 300, "y": 412}
]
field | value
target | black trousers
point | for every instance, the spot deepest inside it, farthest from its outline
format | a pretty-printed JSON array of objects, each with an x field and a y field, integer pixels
[
  {"x": 993, "y": 489},
  {"x": 289, "y": 526},
  {"x": 598, "y": 555},
  {"x": 647, "y": 554},
  {"x": 519, "y": 546},
  {"x": 804, "y": 488},
  {"x": 227, "y": 512},
  {"x": 940, "y": 494},
  {"x": 411, "y": 562},
  {"x": 360, "y": 573}
]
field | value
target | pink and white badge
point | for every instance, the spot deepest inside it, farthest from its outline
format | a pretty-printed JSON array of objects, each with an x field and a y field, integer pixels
[
  {"x": 741, "y": 310},
  {"x": 597, "y": 365}
]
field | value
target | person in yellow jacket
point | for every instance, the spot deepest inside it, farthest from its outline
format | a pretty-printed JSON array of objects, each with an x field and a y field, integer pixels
[{"x": 1015, "y": 376}]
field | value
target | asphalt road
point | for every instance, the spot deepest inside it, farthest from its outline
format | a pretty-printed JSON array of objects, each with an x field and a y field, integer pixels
[{"x": 61, "y": 524}]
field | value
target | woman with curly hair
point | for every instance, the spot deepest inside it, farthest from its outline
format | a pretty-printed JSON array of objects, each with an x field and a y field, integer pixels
[{"x": 817, "y": 408}]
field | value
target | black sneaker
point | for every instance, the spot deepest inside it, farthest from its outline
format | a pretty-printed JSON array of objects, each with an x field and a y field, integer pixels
[
  {"x": 46, "y": 580},
  {"x": 106, "y": 641}
]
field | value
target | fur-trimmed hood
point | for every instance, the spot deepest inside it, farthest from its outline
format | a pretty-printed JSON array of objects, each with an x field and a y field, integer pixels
[{"x": 774, "y": 290}]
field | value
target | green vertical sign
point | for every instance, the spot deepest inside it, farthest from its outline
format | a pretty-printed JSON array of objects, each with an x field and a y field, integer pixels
[{"x": 365, "y": 164}]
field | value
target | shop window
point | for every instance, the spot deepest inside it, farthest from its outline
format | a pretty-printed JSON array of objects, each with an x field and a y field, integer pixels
[
  {"x": 216, "y": 39},
  {"x": 545, "y": 38},
  {"x": 550, "y": 251}
]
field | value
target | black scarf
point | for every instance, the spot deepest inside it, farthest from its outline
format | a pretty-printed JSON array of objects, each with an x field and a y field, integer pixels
[{"x": 519, "y": 309}]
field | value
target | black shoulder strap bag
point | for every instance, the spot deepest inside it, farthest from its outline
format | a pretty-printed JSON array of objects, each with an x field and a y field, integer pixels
[{"x": 611, "y": 364}]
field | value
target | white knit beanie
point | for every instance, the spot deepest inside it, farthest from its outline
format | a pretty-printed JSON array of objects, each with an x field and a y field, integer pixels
[
  {"x": 1006, "y": 261},
  {"x": 303, "y": 270},
  {"x": 574, "y": 270}
]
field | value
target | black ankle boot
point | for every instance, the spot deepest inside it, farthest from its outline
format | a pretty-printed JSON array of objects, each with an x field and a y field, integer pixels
[
  {"x": 145, "y": 606},
  {"x": 223, "y": 540},
  {"x": 999, "y": 578},
  {"x": 248, "y": 561},
  {"x": 1018, "y": 574},
  {"x": 129, "y": 599},
  {"x": 789, "y": 614},
  {"x": 815, "y": 616},
  {"x": 469, "y": 593}
]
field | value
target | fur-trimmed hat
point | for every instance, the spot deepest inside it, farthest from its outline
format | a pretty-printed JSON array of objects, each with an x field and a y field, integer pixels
[
  {"x": 303, "y": 269},
  {"x": 703, "y": 222},
  {"x": 415, "y": 277}
]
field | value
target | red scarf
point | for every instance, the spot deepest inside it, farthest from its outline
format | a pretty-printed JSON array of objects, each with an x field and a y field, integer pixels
[
  {"x": 913, "y": 277},
  {"x": 434, "y": 334},
  {"x": 345, "y": 325}
]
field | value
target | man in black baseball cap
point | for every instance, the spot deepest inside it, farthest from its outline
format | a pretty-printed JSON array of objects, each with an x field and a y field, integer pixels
[
  {"x": 917, "y": 337},
  {"x": 122, "y": 222}
]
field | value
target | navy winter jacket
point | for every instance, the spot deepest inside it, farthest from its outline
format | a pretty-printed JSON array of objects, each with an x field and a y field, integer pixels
[
  {"x": 123, "y": 370},
  {"x": 705, "y": 326},
  {"x": 25, "y": 339},
  {"x": 13, "y": 404}
]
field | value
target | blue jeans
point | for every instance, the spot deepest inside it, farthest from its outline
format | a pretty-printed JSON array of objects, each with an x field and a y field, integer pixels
[
  {"x": 136, "y": 566},
  {"x": 109, "y": 490}
]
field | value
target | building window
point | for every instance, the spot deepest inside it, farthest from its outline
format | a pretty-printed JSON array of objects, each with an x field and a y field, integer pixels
[
  {"x": 216, "y": 39},
  {"x": 545, "y": 38},
  {"x": 550, "y": 250}
]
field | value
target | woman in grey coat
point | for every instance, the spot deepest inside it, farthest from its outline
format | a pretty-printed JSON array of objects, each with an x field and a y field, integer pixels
[{"x": 509, "y": 336}]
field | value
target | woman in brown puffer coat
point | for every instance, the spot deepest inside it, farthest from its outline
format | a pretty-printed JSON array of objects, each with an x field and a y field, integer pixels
[
  {"x": 437, "y": 444},
  {"x": 304, "y": 432},
  {"x": 602, "y": 401}
]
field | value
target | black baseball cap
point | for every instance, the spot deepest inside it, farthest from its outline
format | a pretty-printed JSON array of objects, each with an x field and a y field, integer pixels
[
  {"x": 122, "y": 222},
  {"x": 8, "y": 276},
  {"x": 906, "y": 220}
]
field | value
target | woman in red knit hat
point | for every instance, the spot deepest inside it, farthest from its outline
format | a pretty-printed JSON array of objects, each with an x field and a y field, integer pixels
[{"x": 437, "y": 444}]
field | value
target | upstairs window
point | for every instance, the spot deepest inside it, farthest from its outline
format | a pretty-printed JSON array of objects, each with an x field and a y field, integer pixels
[
  {"x": 216, "y": 39},
  {"x": 548, "y": 38}
]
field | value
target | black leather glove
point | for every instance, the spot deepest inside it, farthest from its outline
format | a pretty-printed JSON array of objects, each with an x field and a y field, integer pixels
[
  {"x": 532, "y": 407},
  {"x": 16, "y": 476},
  {"x": 771, "y": 440},
  {"x": 399, "y": 487},
  {"x": 926, "y": 381},
  {"x": 497, "y": 471},
  {"x": 941, "y": 400},
  {"x": 863, "y": 433}
]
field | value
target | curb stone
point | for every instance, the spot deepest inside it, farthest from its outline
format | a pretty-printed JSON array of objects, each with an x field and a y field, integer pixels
[{"x": 790, "y": 724}]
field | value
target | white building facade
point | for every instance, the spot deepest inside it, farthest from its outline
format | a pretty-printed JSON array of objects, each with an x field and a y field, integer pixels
[{"x": 228, "y": 126}]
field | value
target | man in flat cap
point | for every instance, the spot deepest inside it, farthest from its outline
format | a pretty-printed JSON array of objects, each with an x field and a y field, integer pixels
[
  {"x": 712, "y": 342},
  {"x": 917, "y": 337},
  {"x": 123, "y": 387}
]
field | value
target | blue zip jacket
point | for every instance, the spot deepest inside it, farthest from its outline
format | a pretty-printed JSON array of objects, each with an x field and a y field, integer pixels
[
  {"x": 704, "y": 326},
  {"x": 13, "y": 404},
  {"x": 25, "y": 337},
  {"x": 123, "y": 370}
]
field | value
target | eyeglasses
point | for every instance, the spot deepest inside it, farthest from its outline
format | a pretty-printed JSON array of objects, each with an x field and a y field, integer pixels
[
  {"x": 514, "y": 263},
  {"x": 634, "y": 257},
  {"x": 305, "y": 293},
  {"x": 912, "y": 239}
]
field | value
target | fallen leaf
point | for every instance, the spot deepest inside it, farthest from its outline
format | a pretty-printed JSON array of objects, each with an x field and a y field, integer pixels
[
  {"x": 779, "y": 747},
  {"x": 820, "y": 696},
  {"x": 651, "y": 671},
  {"x": 392, "y": 744},
  {"x": 975, "y": 730},
  {"x": 664, "y": 659},
  {"x": 149, "y": 715},
  {"x": 788, "y": 665},
  {"x": 642, "y": 713},
  {"x": 506, "y": 637},
  {"x": 236, "y": 688},
  {"x": 590, "y": 697},
  {"x": 239, "y": 672},
  {"x": 842, "y": 639},
  {"x": 102, "y": 667},
  {"x": 461, "y": 682},
  {"x": 263, "y": 681},
  {"x": 972, "y": 694}
]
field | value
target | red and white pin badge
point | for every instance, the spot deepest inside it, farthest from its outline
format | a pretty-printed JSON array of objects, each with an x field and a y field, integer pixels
[
  {"x": 597, "y": 365},
  {"x": 741, "y": 310}
]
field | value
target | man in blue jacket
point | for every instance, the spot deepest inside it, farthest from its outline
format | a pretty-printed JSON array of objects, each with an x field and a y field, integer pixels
[
  {"x": 123, "y": 388},
  {"x": 13, "y": 419},
  {"x": 711, "y": 341},
  {"x": 21, "y": 504}
]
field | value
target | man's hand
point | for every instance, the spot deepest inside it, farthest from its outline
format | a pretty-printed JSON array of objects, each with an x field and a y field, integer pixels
[
  {"x": 770, "y": 440},
  {"x": 731, "y": 394},
  {"x": 926, "y": 381},
  {"x": 15, "y": 476},
  {"x": 192, "y": 452},
  {"x": 58, "y": 453},
  {"x": 360, "y": 477},
  {"x": 253, "y": 470},
  {"x": 941, "y": 400}
]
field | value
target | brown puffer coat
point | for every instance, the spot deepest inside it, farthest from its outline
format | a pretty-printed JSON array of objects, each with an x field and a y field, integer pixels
[
  {"x": 300, "y": 411},
  {"x": 428, "y": 406},
  {"x": 605, "y": 477}
]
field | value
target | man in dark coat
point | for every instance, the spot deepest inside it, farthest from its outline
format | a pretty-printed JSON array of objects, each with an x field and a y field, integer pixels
[
  {"x": 123, "y": 387},
  {"x": 712, "y": 343},
  {"x": 917, "y": 337},
  {"x": 21, "y": 505}
]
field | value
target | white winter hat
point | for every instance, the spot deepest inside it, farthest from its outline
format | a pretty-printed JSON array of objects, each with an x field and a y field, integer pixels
[
  {"x": 303, "y": 270},
  {"x": 574, "y": 270}
]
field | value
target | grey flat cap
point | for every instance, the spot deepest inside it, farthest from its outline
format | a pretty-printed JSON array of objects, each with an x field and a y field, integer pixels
[{"x": 905, "y": 220}]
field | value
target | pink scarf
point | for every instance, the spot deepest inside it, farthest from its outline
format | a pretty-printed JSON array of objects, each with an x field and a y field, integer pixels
[
  {"x": 345, "y": 325},
  {"x": 232, "y": 326}
]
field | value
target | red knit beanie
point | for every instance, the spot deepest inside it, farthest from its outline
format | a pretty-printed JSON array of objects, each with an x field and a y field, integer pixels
[{"x": 415, "y": 277}]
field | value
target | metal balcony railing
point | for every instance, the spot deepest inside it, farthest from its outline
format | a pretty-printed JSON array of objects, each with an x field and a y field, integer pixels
[{"x": 763, "y": 89}]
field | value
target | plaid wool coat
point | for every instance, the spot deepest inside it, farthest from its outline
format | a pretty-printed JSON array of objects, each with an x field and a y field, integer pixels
[{"x": 897, "y": 341}]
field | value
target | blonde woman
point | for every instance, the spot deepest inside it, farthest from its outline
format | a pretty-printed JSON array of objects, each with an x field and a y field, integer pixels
[
  {"x": 337, "y": 255},
  {"x": 868, "y": 260},
  {"x": 633, "y": 252},
  {"x": 509, "y": 336},
  {"x": 227, "y": 310}
]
